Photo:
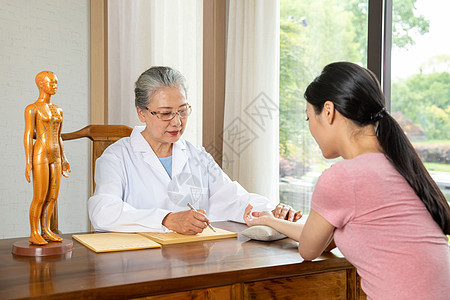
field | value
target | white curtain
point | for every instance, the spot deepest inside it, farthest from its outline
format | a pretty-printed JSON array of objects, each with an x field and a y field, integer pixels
[
  {"x": 250, "y": 136},
  {"x": 145, "y": 33}
]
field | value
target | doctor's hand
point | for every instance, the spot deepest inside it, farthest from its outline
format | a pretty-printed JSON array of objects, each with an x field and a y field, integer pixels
[
  {"x": 186, "y": 222},
  {"x": 285, "y": 212}
]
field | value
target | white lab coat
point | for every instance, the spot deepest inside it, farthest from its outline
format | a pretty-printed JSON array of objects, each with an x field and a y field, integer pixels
[{"x": 134, "y": 192}]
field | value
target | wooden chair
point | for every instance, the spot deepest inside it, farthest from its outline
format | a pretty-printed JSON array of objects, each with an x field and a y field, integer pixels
[{"x": 101, "y": 136}]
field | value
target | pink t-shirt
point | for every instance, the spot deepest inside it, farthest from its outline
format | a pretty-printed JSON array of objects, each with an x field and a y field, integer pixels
[{"x": 384, "y": 229}]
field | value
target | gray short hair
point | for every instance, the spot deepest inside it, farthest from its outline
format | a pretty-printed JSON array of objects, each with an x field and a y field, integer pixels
[{"x": 153, "y": 80}]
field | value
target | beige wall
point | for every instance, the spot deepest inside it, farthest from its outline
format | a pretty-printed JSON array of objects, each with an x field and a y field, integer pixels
[
  {"x": 214, "y": 45},
  {"x": 70, "y": 38}
]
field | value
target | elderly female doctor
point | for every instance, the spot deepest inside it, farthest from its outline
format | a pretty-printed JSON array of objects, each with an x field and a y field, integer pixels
[{"x": 144, "y": 182}]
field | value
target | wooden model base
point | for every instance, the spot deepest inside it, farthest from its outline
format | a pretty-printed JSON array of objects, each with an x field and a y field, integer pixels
[{"x": 25, "y": 248}]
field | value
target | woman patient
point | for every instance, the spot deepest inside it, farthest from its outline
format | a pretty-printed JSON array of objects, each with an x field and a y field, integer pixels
[
  {"x": 379, "y": 205},
  {"x": 144, "y": 182}
]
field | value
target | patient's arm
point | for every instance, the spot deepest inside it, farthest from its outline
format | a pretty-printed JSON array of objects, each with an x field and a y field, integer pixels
[{"x": 314, "y": 237}]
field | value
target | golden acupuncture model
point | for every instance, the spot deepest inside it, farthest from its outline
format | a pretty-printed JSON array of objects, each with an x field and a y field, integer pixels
[{"x": 45, "y": 158}]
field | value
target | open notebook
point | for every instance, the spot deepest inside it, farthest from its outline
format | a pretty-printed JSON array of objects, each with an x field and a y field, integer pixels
[{"x": 115, "y": 241}]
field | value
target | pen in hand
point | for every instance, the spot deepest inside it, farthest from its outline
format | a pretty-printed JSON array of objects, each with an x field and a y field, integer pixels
[{"x": 193, "y": 208}]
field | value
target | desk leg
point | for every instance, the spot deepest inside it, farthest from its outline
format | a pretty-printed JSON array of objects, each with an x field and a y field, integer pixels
[{"x": 354, "y": 290}]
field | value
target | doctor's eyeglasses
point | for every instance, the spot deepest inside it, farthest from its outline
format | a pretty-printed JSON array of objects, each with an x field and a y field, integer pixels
[{"x": 169, "y": 115}]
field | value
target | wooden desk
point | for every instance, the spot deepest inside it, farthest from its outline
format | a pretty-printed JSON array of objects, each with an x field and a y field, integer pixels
[{"x": 222, "y": 269}]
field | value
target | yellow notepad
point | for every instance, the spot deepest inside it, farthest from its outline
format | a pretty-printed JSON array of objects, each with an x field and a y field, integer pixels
[
  {"x": 177, "y": 238},
  {"x": 115, "y": 241}
]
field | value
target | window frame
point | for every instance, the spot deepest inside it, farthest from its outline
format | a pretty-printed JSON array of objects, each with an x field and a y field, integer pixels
[{"x": 379, "y": 44}]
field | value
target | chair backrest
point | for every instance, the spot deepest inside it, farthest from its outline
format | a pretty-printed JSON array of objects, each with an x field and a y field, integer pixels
[{"x": 102, "y": 136}]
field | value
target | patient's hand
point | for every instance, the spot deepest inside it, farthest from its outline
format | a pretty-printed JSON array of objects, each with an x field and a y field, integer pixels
[
  {"x": 186, "y": 222},
  {"x": 256, "y": 217}
]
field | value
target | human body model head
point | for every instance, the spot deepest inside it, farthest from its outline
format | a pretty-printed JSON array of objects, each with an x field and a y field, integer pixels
[
  {"x": 47, "y": 83},
  {"x": 45, "y": 157},
  {"x": 351, "y": 96},
  {"x": 160, "y": 99}
]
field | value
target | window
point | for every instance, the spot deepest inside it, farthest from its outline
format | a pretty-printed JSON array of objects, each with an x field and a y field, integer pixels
[
  {"x": 311, "y": 36},
  {"x": 420, "y": 98}
]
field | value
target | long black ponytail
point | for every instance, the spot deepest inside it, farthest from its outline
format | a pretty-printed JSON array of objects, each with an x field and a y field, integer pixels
[{"x": 357, "y": 95}]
